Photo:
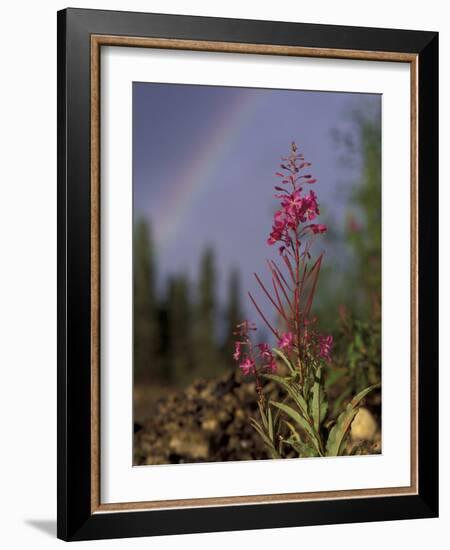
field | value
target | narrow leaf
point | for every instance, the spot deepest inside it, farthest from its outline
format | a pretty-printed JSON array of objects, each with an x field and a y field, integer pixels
[
  {"x": 277, "y": 295},
  {"x": 319, "y": 405},
  {"x": 263, "y": 415},
  {"x": 339, "y": 431},
  {"x": 289, "y": 266},
  {"x": 280, "y": 273},
  {"x": 314, "y": 272},
  {"x": 263, "y": 317},
  {"x": 257, "y": 427},
  {"x": 360, "y": 396},
  {"x": 302, "y": 422},
  {"x": 267, "y": 293},
  {"x": 285, "y": 360},
  {"x": 270, "y": 423},
  {"x": 281, "y": 285},
  {"x": 294, "y": 433},
  {"x": 294, "y": 394}
]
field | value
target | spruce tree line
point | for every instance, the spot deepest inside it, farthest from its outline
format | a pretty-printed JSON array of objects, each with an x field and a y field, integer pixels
[
  {"x": 176, "y": 336},
  {"x": 357, "y": 281}
]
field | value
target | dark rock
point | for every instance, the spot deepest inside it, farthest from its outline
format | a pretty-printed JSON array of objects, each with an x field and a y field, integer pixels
[{"x": 207, "y": 422}]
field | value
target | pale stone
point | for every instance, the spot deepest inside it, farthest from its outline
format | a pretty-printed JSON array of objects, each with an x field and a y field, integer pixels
[{"x": 364, "y": 426}]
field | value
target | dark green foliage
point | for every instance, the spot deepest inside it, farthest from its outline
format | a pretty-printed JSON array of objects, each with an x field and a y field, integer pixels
[
  {"x": 363, "y": 340},
  {"x": 233, "y": 316},
  {"x": 207, "y": 356},
  {"x": 358, "y": 329},
  {"x": 299, "y": 428},
  {"x": 358, "y": 356},
  {"x": 365, "y": 236},
  {"x": 175, "y": 332},
  {"x": 357, "y": 282},
  {"x": 179, "y": 330},
  {"x": 145, "y": 324},
  {"x": 340, "y": 430}
]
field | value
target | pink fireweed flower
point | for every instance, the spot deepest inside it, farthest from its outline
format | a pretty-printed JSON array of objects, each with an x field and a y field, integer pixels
[
  {"x": 318, "y": 228},
  {"x": 286, "y": 341},
  {"x": 293, "y": 203},
  {"x": 243, "y": 329},
  {"x": 311, "y": 206},
  {"x": 293, "y": 283},
  {"x": 237, "y": 351},
  {"x": 265, "y": 352},
  {"x": 278, "y": 228},
  {"x": 247, "y": 367},
  {"x": 272, "y": 366},
  {"x": 296, "y": 208},
  {"x": 325, "y": 346},
  {"x": 267, "y": 358}
]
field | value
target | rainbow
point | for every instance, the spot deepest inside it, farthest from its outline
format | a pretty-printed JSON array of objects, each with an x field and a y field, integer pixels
[{"x": 199, "y": 172}]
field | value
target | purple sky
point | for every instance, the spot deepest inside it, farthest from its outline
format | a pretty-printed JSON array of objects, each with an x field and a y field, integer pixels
[{"x": 204, "y": 159}]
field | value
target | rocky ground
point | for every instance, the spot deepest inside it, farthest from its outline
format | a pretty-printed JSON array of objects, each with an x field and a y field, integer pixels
[{"x": 208, "y": 422}]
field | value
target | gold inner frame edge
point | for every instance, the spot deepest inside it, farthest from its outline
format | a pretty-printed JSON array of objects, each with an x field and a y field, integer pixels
[{"x": 97, "y": 41}]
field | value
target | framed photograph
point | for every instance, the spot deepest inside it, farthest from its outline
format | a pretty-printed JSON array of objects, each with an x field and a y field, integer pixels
[{"x": 247, "y": 254}]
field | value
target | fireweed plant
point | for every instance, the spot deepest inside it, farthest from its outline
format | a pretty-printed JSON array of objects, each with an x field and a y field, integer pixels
[{"x": 298, "y": 425}]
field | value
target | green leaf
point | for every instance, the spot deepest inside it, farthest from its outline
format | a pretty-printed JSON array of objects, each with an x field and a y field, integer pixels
[
  {"x": 302, "y": 422},
  {"x": 318, "y": 403},
  {"x": 337, "y": 405},
  {"x": 263, "y": 415},
  {"x": 256, "y": 426},
  {"x": 339, "y": 431},
  {"x": 294, "y": 433},
  {"x": 270, "y": 423},
  {"x": 296, "y": 445},
  {"x": 285, "y": 360},
  {"x": 307, "y": 385},
  {"x": 302, "y": 449},
  {"x": 260, "y": 431},
  {"x": 295, "y": 394},
  {"x": 360, "y": 396}
]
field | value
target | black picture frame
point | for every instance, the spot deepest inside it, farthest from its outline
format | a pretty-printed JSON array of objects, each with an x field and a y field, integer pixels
[{"x": 76, "y": 521}]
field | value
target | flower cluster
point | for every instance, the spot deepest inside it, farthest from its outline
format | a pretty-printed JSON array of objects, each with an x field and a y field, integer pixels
[
  {"x": 291, "y": 293},
  {"x": 297, "y": 207},
  {"x": 303, "y": 404},
  {"x": 252, "y": 359},
  {"x": 325, "y": 346},
  {"x": 286, "y": 341}
]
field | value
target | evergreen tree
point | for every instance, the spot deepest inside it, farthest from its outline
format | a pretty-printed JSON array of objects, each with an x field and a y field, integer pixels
[
  {"x": 179, "y": 330},
  {"x": 233, "y": 316},
  {"x": 366, "y": 239},
  {"x": 207, "y": 358},
  {"x": 145, "y": 325},
  {"x": 357, "y": 281}
]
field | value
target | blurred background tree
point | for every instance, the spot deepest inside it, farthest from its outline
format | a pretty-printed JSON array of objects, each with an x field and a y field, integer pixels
[
  {"x": 208, "y": 361},
  {"x": 233, "y": 315},
  {"x": 180, "y": 332},
  {"x": 364, "y": 216},
  {"x": 180, "y": 360},
  {"x": 352, "y": 273},
  {"x": 350, "y": 303},
  {"x": 145, "y": 335}
]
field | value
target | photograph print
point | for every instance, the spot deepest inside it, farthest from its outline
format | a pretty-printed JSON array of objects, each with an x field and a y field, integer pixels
[{"x": 256, "y": 274}]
